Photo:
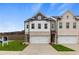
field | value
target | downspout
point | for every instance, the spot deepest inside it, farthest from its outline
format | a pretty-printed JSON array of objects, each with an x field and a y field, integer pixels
[
  {"x": 24, "y": 33},
  {"x": 26, "y": 38},
  {"x": 56, "y": 31},
  {"x": 50, "y": 32},
  {"x": 29, "y": 32}
]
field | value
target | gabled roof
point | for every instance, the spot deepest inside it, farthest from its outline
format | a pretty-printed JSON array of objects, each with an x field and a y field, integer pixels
[
  {"x": 43, "y": 17},
  {"x": 39, "y": 14},
  {"x": 68, "y": 11},
  {"x": 52, "y": 18}
]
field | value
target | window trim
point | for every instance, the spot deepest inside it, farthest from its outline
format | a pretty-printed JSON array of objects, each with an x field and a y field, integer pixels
[
  {"x": 45, "y": 26},
  {"x": 39, "y": 26},
  {"x": 32, "y": 26},
  {"x": 67, "y": 25},
  {"x": 27, "y": 26},
  {"x": 74, "y": 25},
  {"x": 39, "y": 17},
  {"x": 67, "y": 16},
  {"x": 52, "y": 25},
  {"x": 60, "y": 25}
]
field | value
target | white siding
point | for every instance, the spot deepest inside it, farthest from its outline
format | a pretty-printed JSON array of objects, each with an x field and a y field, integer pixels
[
  {"x": 42, "y": 26},
  {"x": 25, "y": 27},
  {"x": 64, "y": 35}
]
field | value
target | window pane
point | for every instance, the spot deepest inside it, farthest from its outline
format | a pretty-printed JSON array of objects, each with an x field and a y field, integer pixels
[
  {"x": 27, "y": 26},
  {"x": 67, "y": 25},
  {"x": 32, "y": 26},
  {"x": 45, "y": 26},
  {"x": 52, "y": 25},
  {"x": 39, "y": 17},
  {"x": 74, "y": 25},
  {"x": 60, "y": 25},
  {"x": 39, "y": 26},
  {"x": 67, "y": 17}
]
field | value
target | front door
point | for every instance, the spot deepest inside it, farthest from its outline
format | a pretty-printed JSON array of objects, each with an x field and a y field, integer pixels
[{"x": 52, "y": 38}]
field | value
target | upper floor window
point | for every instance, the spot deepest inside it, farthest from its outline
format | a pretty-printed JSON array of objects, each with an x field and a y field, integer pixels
[
  {"x": 39, "y": 26},
  {"x": 45, "y": 26},
  {"x": 32, "y": 26},
  {"x": 67, "y": 16},
  {"x": 27, "y": 26},
  {"x": 52, "y": 25},
  {"x": 74, "y": 25},
  {"x": 39, "y": 17},
  {"x": 60, "y": 25},
  {"x": 67, "y": 25}
]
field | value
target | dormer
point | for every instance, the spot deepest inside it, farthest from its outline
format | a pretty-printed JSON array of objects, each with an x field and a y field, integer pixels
[{"x": 39, "y": 16}]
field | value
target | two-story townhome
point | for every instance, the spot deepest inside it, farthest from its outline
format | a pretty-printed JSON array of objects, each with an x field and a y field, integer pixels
[{"x": 55, "y": 29}]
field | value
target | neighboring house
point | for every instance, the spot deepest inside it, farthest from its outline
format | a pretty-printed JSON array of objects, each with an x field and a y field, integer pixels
[{"x": 55, "y": 29}]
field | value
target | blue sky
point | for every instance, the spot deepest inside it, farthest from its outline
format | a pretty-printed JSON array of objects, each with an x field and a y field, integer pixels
[{"x": 12, "y": 16}]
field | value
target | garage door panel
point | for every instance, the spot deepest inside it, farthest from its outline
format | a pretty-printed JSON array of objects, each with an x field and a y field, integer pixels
[
  {"x": 39, "y": 39},
  {"x": 68, "y": 39}
]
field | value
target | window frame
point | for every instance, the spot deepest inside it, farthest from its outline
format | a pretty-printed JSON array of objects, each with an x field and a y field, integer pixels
[
  {"x": 32, "y": 26},
  {"x": 39, "y": 26},
  {"x": 67, "y": 16},
  {"x": 67, "y": 25},
  {"x": 60, "y": 25},
  {"x": 27, "y": 26},
  {"x": 52, "y": 25},
  {"x": 45, "y": 26},
  {"x": 39, "y": 17},
  {"x": 74, "y": 25}
]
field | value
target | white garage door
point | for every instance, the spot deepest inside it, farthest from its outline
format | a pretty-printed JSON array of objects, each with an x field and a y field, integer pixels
[
  {"x": 39, "y": 39},
  {"x": 68, "y": 39}
]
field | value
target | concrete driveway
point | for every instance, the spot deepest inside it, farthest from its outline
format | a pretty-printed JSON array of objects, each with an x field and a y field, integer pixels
[
  {"x": 43, "y": 49},
  {"x": 46, "y": 49},
  {"x": 39, "y": 49}
]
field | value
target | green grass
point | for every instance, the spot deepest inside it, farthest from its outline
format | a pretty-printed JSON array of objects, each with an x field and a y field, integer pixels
[
  {"x": 60, "y": 47},
  {"x": 13, "y": 46}
]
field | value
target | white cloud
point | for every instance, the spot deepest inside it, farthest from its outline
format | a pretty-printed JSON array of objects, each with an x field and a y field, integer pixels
[
  {"x": 36, "y": 7},
  {"x": 9, "y": 27},
  {"x": 52, "y": 6},
  {"x": 64, "y": 7},
  {"x": 62, "y": 12}
]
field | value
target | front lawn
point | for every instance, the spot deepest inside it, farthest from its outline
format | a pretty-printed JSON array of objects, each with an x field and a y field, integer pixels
[
  {"x": 60, "y": 47},
  {"x": 13, "y": 46}
]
